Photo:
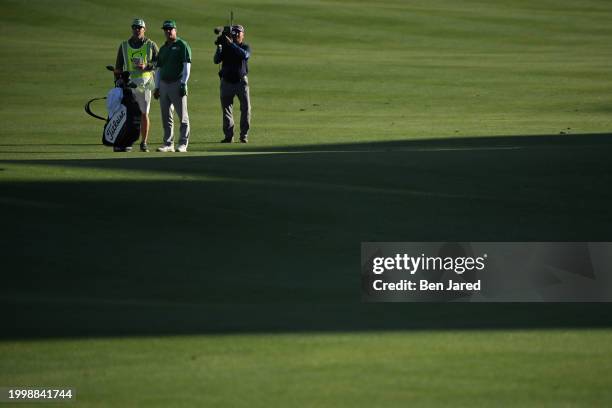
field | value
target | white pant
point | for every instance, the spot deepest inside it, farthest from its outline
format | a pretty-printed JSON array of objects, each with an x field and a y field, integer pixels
[{"x": 169, "y": 100}]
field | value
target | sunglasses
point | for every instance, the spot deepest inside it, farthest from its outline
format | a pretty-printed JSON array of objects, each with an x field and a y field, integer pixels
[{"x": 135, "y": 27}]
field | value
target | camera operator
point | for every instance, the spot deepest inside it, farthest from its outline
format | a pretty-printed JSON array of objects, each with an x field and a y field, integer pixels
[{"x": 234, "y": 55}]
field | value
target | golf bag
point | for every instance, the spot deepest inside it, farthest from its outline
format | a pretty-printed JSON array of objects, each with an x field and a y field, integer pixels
[{"x": 122, "y": 127}]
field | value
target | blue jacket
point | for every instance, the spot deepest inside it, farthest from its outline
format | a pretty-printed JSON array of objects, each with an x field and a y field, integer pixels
[{"x": 235, "y": 59}]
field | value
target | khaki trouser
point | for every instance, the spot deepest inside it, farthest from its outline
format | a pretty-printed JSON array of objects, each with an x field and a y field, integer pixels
[
  {"x": 169, "y": 100},
  {"x": 228, "y": 91}
]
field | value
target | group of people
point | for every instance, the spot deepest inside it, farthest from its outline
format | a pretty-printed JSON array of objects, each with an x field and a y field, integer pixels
[{"x": 164, "y": 73}]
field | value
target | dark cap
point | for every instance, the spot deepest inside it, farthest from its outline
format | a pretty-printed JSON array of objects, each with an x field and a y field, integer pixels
[
  {"x": 139, "y": 22},
  {"x": 237, "y": 29},
  {"x": 169, "y": 24}
]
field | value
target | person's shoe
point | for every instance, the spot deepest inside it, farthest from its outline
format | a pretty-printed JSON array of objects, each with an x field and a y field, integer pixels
[
  {"x": 144, "y": 147},
  {"x": 182, "y": 149},
  {"x": 122, "y": 149},
  {"x": 244, "y": 140},
  {"x": 227, "y": 140},
  {"x": 165, "y": 148}
]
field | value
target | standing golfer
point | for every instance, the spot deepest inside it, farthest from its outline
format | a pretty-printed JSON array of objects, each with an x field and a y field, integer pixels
[
  {"x": 173, "y": 68},
  {"x": 234, "y": 54},
  {"x": 138, "y": 55}
]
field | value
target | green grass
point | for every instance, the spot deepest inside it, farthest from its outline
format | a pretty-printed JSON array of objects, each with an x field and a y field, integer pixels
[
  {"x": 322, "y": 72},
  {"x": 230, "y": 276},
  {"x": 516, "y": 368}
]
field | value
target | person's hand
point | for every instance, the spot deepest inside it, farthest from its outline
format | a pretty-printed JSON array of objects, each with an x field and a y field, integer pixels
[
  {"x": 141, "y": 66},
  {"x": 183, "y": 90},
  {"x": 156, "y": 93}
]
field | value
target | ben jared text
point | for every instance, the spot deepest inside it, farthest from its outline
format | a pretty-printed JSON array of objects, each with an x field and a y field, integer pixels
[{"x": 426, "y": 286}]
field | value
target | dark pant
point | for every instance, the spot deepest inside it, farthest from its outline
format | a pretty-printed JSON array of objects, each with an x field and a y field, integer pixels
[{"x": 228, "y": 91}]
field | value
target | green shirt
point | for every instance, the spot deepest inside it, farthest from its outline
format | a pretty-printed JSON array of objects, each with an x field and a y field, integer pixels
[{"x": 171, "y": 58}]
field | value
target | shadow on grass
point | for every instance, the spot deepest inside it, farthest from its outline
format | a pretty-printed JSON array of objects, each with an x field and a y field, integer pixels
[
  {"x": 483, "y": 142},
  {"x": 270, "y": 242}
]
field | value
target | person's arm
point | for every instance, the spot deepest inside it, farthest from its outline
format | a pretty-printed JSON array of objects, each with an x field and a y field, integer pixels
[
  {"x": 157, "y": 78},
  {"x": 242, "y": 53},
  {"x": 187, "y": 57},
  {"x": 186, "y": 72},
  {"x": 152, "y": 63},
  {"x": 218, "y": 55}
]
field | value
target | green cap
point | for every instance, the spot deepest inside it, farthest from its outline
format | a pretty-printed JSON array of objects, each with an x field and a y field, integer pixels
[
  {"x": 169, "y": 24},
  {"x": 138, "y": 22}
]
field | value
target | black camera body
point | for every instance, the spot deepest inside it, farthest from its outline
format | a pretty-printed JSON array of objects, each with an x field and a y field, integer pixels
[{"x": 222, "y": 32}]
